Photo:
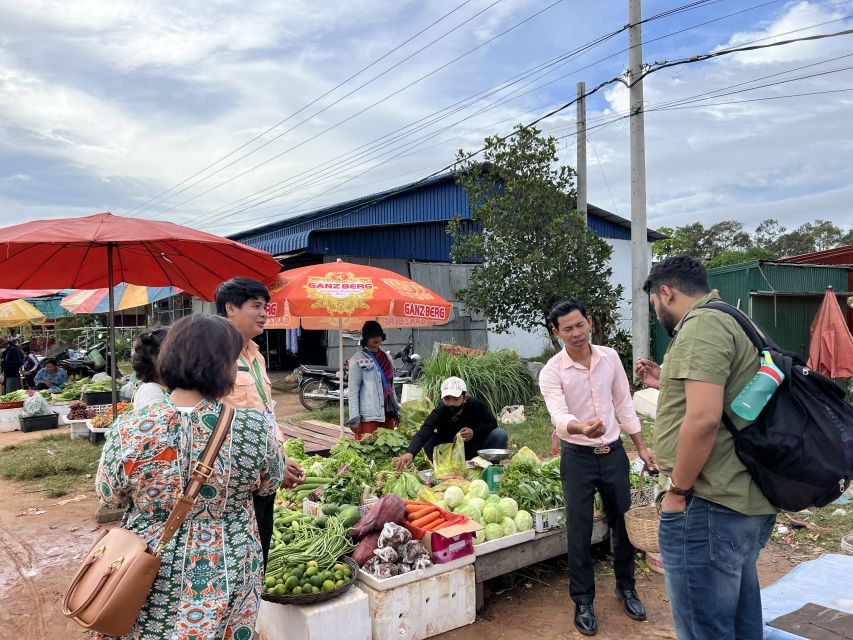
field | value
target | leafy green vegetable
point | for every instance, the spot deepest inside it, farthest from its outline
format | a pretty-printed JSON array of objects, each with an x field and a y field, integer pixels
[
  {"x": 407, "y": 486},
  {"x": 412, "y": 416},
  {"x": 14, "y": 396},
  {"x": 295, "y": 448},
  {"x": 533, "y": 487}
]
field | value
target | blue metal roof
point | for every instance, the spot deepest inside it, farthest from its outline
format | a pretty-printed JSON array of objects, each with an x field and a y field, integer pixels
[{"x": 368, "y": 224}]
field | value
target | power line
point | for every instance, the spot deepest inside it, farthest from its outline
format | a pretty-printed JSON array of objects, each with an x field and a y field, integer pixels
[
  {"x": 313, "y": 102},
  {"x": 242, "y": 204},
  {"x": 358, "y": 113}
]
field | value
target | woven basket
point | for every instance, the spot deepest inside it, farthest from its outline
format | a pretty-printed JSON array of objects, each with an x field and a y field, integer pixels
[
  {"x": 314, "y": 598},
  {"x": 642, "y": 522},
  {"x": 847, "y": 544}
]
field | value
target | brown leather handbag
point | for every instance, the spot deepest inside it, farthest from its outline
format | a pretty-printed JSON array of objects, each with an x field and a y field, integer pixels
[{"x": 110, "y": 588}]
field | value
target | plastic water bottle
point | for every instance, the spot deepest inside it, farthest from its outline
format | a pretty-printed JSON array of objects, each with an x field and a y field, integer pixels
[{"x": 758, "y": 391}]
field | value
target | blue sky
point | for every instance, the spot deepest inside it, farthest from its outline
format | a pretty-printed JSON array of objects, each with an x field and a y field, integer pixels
[{"x": 105, "y": 105}]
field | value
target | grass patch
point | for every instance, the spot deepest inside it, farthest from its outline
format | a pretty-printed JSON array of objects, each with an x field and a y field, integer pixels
[
  {"x": 827, "y": 537},
  {"x": 328, "y": 414},
  {"x": 54, "y": 463},
  {"x": 535, "y": 432},
  {"x": 647, "y": 426}
]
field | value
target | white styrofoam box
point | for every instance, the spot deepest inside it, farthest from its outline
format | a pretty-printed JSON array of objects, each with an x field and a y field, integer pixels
[
  {"x": 411, "y": 392},
  {"x": 79, "y": 428},
  {"x": 424, "y": 608},
  {"x": 347, "y": 616},
  {"x": 413, "y": 576},
  {"x": 10, "y": 419},
  {"x": 646, "y": 402},
  {"x": 313, "y": 509},
  {"x": 502, "y": 543},
  {"x": 62, "y": 408}
]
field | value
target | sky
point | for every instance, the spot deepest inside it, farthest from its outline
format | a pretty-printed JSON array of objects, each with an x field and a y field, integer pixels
[{"x": 168, "y": 110}]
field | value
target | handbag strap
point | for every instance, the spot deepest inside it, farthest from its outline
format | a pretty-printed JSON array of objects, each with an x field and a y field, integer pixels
[
  {"x": 385, "y": 383},
  {"x": 200, "y": 472}
]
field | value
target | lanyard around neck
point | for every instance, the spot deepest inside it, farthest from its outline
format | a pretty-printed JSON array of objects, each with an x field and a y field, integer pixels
[{"x": 255, "y": 372}]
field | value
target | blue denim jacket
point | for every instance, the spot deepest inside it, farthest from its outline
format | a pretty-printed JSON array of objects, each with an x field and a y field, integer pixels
[{"x": 366, "y": 392}]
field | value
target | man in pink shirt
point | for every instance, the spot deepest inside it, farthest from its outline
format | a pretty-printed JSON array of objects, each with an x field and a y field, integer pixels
[{"x": 586, "y": 391}]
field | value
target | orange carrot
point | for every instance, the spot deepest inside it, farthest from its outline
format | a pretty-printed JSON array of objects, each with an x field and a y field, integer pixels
[
  {"x": 435, "y": 524},
  {"x": 431, "y": 517},
  {"x": 420, "y": 513}
]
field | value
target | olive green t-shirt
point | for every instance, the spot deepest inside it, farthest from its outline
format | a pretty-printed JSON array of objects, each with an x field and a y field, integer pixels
[{"x": 709, "y": 346}]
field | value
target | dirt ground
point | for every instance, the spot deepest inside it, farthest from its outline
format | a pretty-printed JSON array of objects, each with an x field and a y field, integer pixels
[{"x": 43, "y": 540}]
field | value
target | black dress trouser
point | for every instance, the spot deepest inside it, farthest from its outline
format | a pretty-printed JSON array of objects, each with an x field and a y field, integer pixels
[
  {"x": 582, "y": 472},
  {"x": 264, "y": 514}
]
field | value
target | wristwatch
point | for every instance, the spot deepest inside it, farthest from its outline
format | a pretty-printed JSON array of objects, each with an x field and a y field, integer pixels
[{"x": 679, "y": 491}]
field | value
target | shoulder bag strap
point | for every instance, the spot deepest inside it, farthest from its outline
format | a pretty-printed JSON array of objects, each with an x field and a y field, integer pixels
[
  {"x": 200, "y": 472},
  {"x": 385, "y": 383}
]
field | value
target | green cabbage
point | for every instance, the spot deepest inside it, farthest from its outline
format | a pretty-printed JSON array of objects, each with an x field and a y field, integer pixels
[
  {"x": 441, "y": 504},
  {"x": 525, "y": 456},
  {"x": 480, "y": 536},
  {"x": 509, "y": 507},
  {"x": 478, "y": 489},
  {"x": 492, "y": 514},
  {"x": 493, "y": 531},
  {"x": 493, "y": 498},
  {"x": 471, "y": 512},
  {"x": 509, "y": 527},
  {"x": 523, "y": 521},
  {"x": 477, "y": 502},
  {"x": 453, "y": 496}
]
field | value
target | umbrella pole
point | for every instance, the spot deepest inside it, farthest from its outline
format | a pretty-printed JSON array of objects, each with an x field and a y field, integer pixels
[
  {"x": 112, "y": 351},
  {"x": 341, "y": 375}
]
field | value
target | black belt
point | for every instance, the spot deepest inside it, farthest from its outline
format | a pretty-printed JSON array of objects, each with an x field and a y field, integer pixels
[{"x": 597, "y": 450}]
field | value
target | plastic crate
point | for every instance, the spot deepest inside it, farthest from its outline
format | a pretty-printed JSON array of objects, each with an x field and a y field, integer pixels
[
  {"x": 548, "y": 519},
  {"x": 38, "y": 423},
  {"x": 98, "y": 397},
  {"x": 96, "y": 435}
]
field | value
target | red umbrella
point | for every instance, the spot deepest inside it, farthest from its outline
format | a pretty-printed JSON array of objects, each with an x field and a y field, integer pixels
[
  {"x": 101, "y": 250},
  {"x": 831, "y": 346}
]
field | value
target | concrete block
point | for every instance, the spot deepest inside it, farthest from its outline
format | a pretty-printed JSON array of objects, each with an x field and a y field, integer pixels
[{"x": 646, "y": 402}]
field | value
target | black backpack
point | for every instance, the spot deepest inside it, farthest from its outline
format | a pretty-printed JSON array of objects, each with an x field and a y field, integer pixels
[{"x": 800, "y": 450}]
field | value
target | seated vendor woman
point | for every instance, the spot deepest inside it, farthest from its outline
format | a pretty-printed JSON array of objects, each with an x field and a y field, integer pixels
[
  {"x": 50, "y": 376},
  {"x": 459, "y": 413}
]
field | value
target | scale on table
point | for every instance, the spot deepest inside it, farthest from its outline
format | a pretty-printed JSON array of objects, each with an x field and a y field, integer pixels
[{"x": 496, "y": 459}]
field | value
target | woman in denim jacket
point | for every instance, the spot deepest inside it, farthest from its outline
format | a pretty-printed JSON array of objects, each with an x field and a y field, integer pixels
[{"x": 372, "y": 400}]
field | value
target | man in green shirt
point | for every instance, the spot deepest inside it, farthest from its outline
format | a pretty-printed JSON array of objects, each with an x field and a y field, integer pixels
[{"x": 714, "y": 518}]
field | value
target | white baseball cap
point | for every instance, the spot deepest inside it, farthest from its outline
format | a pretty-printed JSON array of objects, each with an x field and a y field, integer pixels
[{"x": 453, "y": 387}]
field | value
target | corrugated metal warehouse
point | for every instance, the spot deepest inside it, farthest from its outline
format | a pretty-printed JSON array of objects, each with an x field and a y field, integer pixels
[
  {"x": 782, "y": 297},
  {"x": 405, "y": 230}
]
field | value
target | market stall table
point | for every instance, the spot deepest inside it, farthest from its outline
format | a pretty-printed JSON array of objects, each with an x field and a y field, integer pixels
[
  {"x": 543, "y": 547},
  {"x": 319, "y": 436}
]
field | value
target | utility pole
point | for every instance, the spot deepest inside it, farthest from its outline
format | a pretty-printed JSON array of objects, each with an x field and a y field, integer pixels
[
  {"x": 581, "y": 145},
  {"x": 639, "y": 238}
]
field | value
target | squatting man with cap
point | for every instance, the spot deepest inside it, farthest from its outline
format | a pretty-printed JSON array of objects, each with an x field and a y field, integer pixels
[{"x": 459, "y": 413}]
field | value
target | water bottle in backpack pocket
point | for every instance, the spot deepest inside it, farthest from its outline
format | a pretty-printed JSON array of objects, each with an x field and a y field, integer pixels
[{"x": 758, "y": 391}]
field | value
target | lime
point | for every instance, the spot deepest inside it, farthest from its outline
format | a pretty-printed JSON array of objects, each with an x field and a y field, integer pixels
[
  {"x": 297, "y": 591},
  {"x": 292, "y": 582},
  {"x": 317, "y": 581},
  {"x": 339, "y": 583},
  {"x": 328, "y": 585},
  {"x": 279, "y": 590},
  {"x": 315, "y": 589},
  {"x": 347, "y": 572},
  {"x": 312, "y": 563},
  {"x": 339, "y": 575},
  {"x": 301, "y": 567},
  {"x": 338, "y": 567},
  {"x": 270, "y": 582},
  {"x": 310, "y": 571}
]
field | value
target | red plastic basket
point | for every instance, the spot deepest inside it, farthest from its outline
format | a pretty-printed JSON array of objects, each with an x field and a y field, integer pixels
[{"x": 12, "y": 405}]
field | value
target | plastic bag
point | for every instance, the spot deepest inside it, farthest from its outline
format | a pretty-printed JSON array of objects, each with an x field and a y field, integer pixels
[
  {"x": 449, "y": 458},
  {"x": 427, "y": 495},
  {"x": 35, "y": 405},
  {"x": 513, "y": 414}
]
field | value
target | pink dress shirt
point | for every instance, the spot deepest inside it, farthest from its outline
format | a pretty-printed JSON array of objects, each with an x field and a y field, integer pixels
[{"x": 573, "y": 392}]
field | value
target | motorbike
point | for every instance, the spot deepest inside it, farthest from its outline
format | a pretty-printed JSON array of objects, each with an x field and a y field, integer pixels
[
  {"x": 95, "y": 360},
  {"x": 319, "y": 385}
]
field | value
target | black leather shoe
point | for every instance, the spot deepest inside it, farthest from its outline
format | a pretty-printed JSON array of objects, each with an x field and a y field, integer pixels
[
  {"x": 585, "y": 621},
  {"x": 631, "y": 601}
]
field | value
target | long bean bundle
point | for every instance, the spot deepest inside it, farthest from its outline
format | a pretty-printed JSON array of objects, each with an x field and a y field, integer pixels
[{"x": 324, "y": 546}]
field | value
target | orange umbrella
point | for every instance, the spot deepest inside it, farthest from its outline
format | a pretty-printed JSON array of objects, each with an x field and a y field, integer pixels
[
  {"x": 342, "y": 295},
  {"x": 831, "y": 346}
]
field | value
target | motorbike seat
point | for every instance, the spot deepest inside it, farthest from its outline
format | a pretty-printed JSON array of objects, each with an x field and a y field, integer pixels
[{"x": 318, "y": 368}]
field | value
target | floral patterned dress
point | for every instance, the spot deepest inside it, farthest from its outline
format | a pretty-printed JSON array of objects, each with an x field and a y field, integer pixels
[{"x": 209, "y": 584}]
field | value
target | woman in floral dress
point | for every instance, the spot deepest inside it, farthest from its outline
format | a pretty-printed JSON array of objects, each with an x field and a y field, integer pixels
[{"x": 209, "y": 583}]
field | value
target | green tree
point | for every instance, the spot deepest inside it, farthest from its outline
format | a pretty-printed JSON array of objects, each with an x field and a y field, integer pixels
[
  {"x": 535, "y": 249},
  {"x": 738, "y": 256},
  {"x": 725, "y": 237},
  {"x": 688, "y": 239}
]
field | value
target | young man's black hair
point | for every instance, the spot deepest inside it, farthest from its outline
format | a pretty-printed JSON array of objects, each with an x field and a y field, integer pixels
[
  {"x": 564, "y": 308},
  {"x": 237, "y": 291},
  {"x": 683, "y": 272}
]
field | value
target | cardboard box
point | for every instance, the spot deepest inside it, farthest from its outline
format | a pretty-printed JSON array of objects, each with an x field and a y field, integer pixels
[{"x": 450, "y": 543}]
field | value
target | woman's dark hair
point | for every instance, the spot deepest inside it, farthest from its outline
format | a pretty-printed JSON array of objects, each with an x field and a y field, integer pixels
[
  {"x": 564, "y": 308},
  {"x": 146, "y": 347},
  {"x": 25, "y": 347},
  {"x": 48, "y": 361},
  {"x": 684, "y": 273},
  {"x": 200, "y": 353},
  {"x": 237, "y": 291}
]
